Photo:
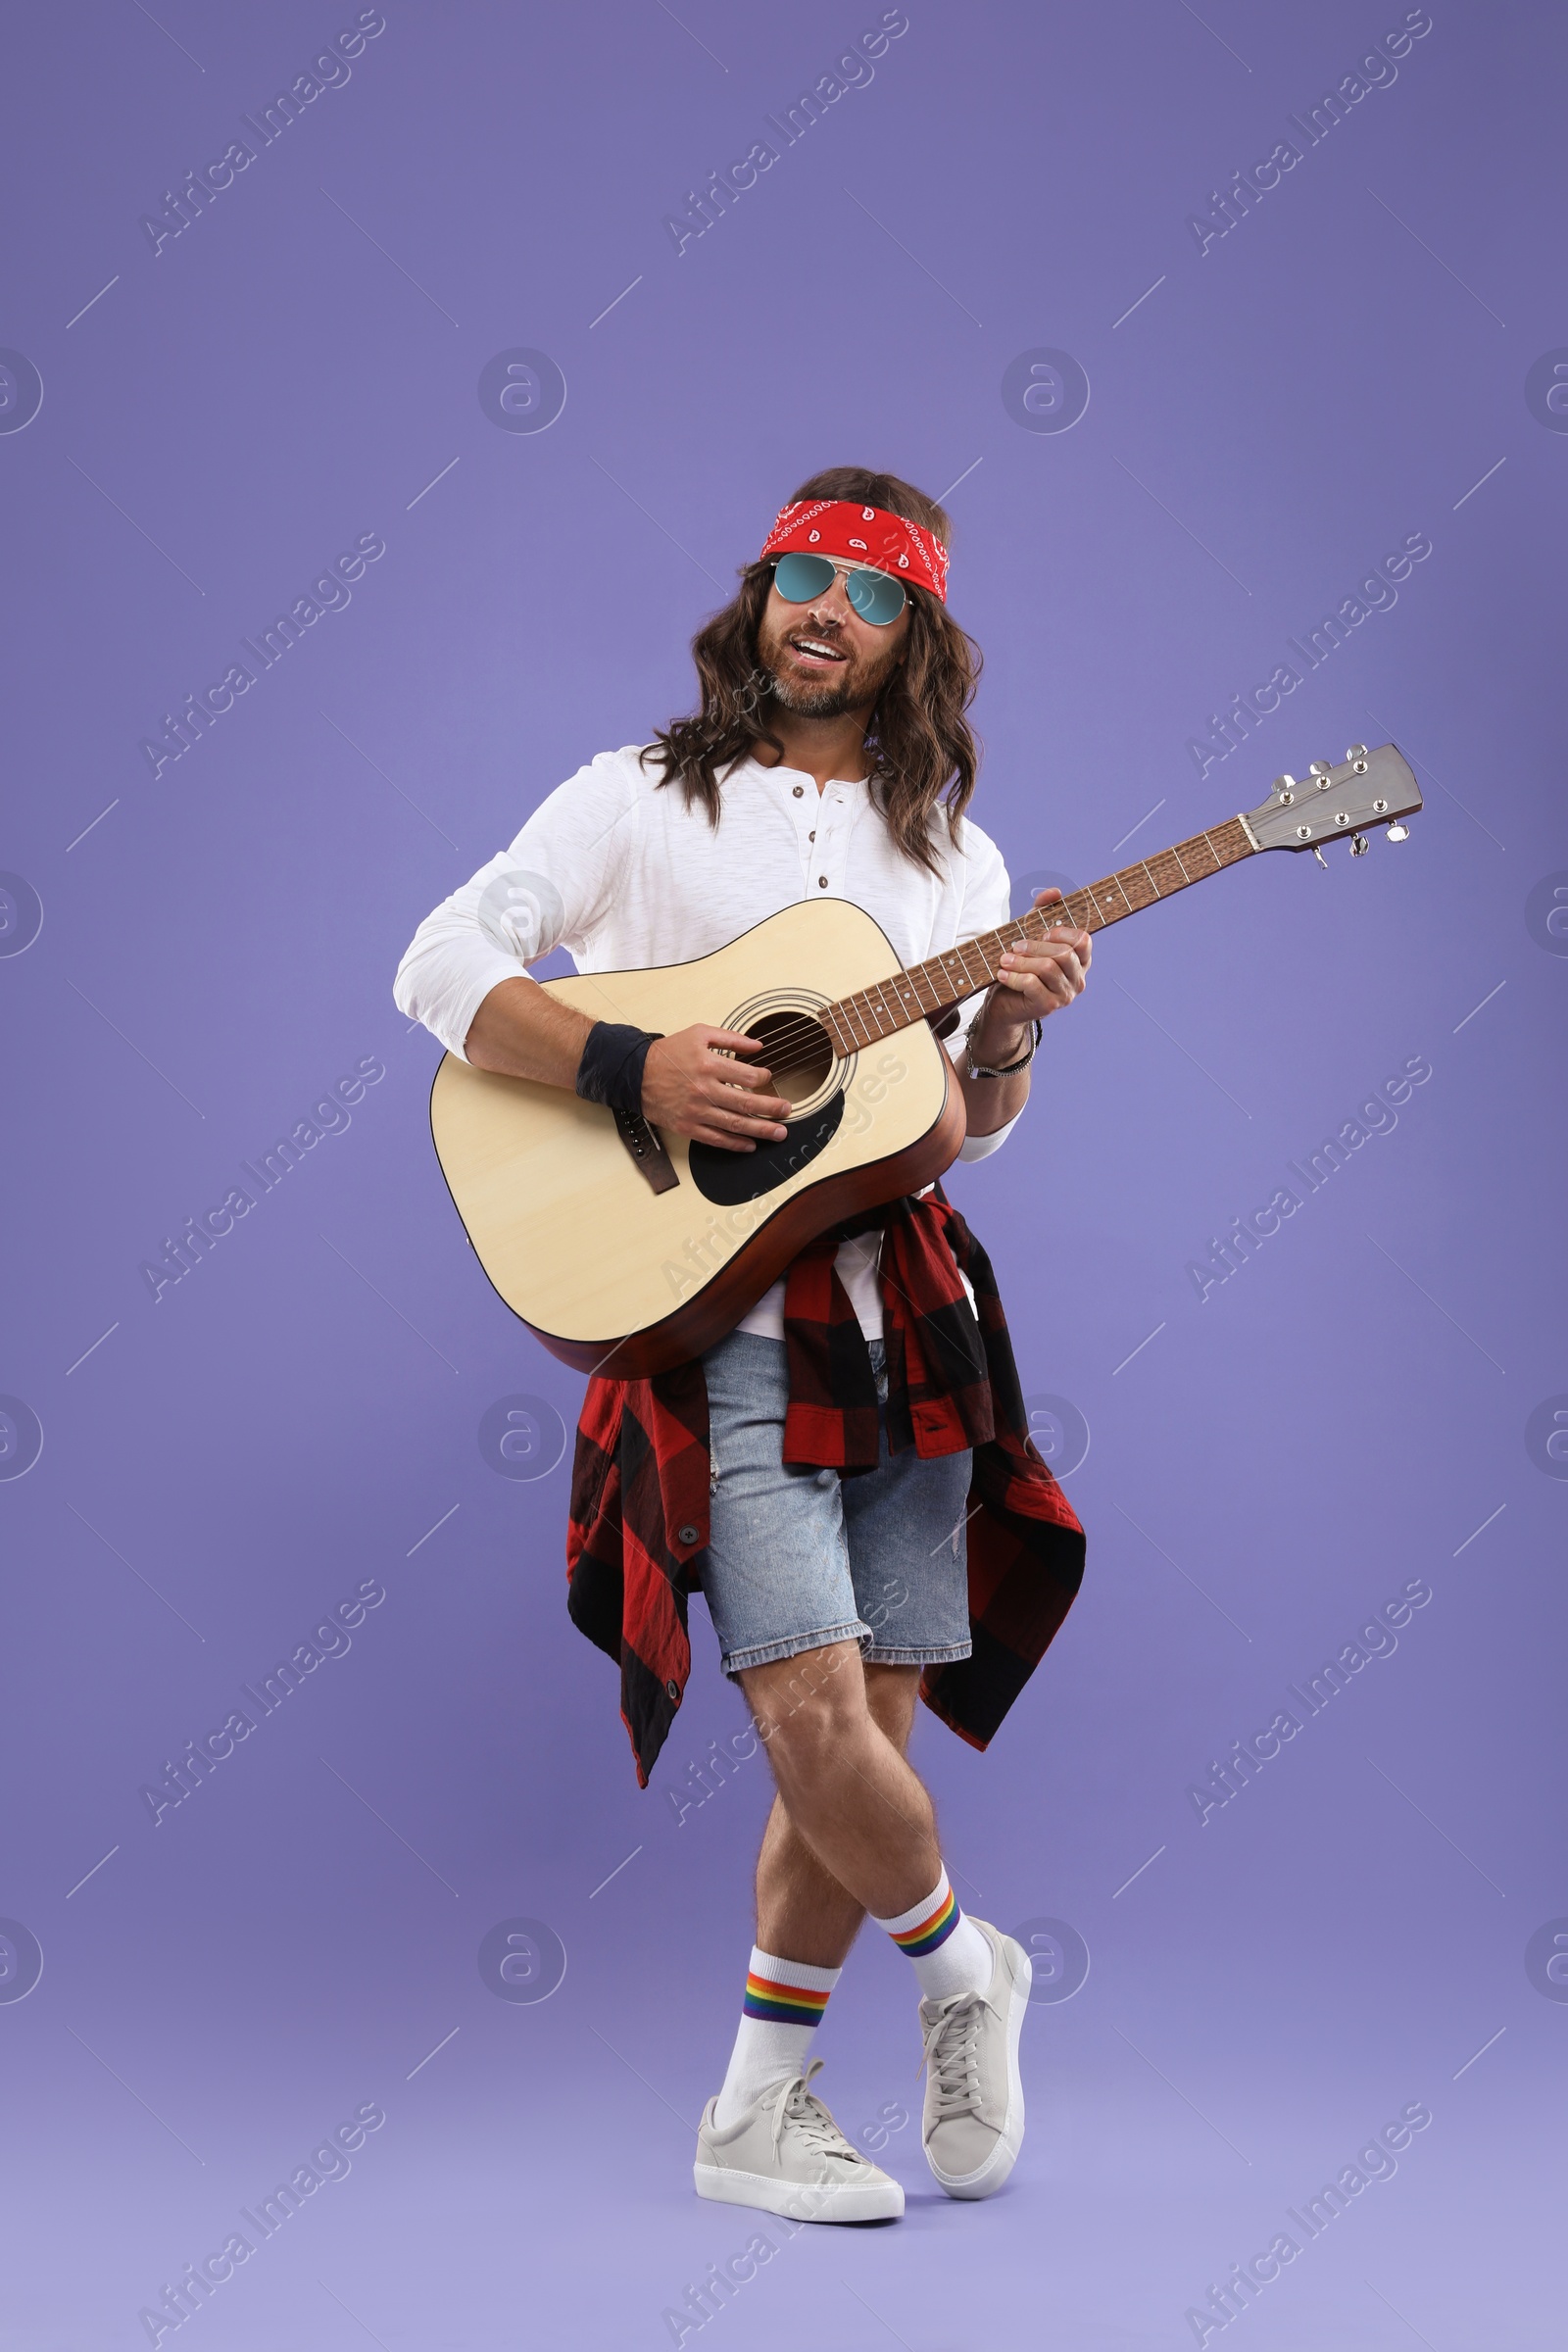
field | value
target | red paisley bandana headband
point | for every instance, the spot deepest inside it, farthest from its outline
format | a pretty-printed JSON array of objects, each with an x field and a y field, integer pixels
[{"x": 870, "y": 535}]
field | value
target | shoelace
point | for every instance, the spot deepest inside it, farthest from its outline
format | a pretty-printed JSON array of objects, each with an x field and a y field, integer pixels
[
  {"x": 953, "y": 2054},
  {"x": 796, "y": 2106}
]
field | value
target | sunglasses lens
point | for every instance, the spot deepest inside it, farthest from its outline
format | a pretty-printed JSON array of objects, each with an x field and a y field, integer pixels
[
  {"x": 798, "y": 579},
  {"x": 875, "y": 596}
]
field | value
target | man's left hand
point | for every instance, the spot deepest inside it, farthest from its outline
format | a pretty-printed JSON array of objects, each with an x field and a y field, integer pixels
[{"x": 1038, "y": 978}]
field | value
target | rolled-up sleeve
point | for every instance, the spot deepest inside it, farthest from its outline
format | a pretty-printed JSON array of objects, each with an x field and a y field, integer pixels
[
  {"x": 547, "y": 890},
  {"x": 986, "y": 906}
]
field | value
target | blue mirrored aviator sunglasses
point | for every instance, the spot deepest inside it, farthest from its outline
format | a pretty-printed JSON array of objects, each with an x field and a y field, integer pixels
[{"x": 877, "y": 596}]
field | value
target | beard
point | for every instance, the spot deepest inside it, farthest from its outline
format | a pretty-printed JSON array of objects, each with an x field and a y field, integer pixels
[{"x": 857, "y": 686}]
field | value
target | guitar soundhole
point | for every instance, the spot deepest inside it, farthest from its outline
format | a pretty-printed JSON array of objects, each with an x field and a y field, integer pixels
[
  {"x": 804, "y": 1070},
  {"x": 798, "y": 1051}
]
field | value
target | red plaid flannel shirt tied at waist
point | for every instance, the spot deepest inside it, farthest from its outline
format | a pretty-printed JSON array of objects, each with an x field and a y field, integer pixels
[{"x": 640, "y": 1476}]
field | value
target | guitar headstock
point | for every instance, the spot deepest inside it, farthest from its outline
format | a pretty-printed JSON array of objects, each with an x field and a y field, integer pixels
[{"x": 1332, "y": 804}]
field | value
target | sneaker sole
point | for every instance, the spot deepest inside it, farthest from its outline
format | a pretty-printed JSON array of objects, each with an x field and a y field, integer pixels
[
  {"x": 801, "y": 2202},
  {"x": 990, "y": 2176}
]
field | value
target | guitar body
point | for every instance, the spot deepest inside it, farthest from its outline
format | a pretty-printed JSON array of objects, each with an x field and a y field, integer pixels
[
  {"x": 628, "y": 1252},
  {"x": 615, "y": 1277}
]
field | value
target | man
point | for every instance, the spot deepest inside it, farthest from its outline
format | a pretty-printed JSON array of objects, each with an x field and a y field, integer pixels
[{"x": 830, "y": 753}]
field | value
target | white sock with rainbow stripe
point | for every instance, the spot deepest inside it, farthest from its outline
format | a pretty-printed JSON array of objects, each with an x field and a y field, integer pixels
[
  {"x": 948, "y": 1951},
  {"x": 782, "y": 2010}
]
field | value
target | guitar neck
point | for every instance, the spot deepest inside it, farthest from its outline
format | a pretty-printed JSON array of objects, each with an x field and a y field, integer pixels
[{"x": 945, "y": 980}]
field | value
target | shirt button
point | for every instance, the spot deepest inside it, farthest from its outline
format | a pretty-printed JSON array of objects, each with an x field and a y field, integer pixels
[
  {"x": 821, "y": 881},
  {"x": 797, "y": 788},
  {"x": 811, "y": 836},
  {"x": 672, "y": 1691},
  {"x": 687, "y": 1534}
]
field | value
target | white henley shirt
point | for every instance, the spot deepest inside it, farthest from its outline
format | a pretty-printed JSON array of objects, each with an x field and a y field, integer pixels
[{"x": 623, "y": 875}]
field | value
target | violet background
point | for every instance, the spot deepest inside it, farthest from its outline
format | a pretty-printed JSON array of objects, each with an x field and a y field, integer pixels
[{"x": 297, "y": 1414}]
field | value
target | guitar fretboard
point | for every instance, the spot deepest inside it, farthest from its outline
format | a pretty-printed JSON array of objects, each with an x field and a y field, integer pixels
[{"x": 948, "y": 979}]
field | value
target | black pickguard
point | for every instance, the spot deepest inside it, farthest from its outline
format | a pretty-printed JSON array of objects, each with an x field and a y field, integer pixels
[{"x": 730, "y": 1177}]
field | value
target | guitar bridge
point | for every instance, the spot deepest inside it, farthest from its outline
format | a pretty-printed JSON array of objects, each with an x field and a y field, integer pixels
[{"x": 649, "y": 1157}]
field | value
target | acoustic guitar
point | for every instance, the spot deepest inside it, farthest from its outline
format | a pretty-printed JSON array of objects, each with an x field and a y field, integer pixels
[{"x": 627, "y": 1251}]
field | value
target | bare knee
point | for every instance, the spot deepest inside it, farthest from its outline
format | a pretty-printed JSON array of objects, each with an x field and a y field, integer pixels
[
  {"x": 889, "y": 1694},
  {"x": 809, "y": 1707}
]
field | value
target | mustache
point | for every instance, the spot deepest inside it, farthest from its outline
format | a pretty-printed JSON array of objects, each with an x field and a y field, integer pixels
[{"x": 831, "y": 634}]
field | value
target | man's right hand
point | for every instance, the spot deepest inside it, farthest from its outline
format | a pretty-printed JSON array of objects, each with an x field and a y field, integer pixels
[{"x": 693, "y": 1083}]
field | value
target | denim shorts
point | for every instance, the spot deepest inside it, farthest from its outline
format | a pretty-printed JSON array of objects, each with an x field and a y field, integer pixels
[{"x": 797, "y": 1557}]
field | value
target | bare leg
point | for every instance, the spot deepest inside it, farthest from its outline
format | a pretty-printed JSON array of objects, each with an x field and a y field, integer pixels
[{"x": 851, "y": 1827}]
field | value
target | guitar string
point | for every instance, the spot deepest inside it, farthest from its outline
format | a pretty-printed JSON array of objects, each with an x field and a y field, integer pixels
[
  {"x": 808, "y": 1027},
  {"x": 806, "y": 1030},
  {"x": 1079, "y": 908},
  {"x": 1035, "y": 924},
  {"x": 808, "y": 1034}
]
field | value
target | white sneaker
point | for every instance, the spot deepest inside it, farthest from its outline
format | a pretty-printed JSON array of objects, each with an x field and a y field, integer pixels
[
  {"x": 787, "y": 2155},
  {"x": 973, "y": 2124}
]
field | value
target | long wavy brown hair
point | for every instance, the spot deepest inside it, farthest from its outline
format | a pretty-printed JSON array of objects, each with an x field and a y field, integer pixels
[{"x": 923, "y": 751}]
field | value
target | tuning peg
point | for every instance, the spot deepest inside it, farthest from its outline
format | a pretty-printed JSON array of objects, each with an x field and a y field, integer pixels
[
  {"x": 1322, "y": 860},
  {"x": 1357, "y": 750},
  {"x": 1359, "y": 845},
  {"x": 1399, "y": 832}
]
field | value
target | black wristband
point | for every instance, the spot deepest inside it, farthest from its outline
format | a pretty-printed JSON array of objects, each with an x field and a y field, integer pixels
[{"x": 611, "y": 1071}]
